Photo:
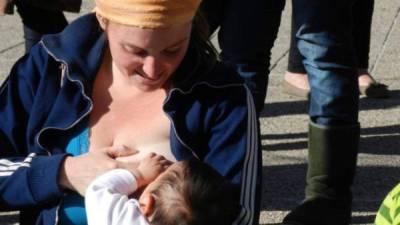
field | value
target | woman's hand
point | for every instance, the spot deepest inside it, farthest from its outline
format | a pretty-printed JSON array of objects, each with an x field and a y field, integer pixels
[
  {"x": 78, "y": 172},
  {"x": 126, "y": 157}
]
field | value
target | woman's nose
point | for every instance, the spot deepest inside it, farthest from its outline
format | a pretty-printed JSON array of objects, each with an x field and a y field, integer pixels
[{"x": 152, "y": 66}]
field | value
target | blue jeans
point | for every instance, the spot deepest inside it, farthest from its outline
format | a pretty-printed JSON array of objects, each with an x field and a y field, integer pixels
[
  {"x": 362, "y": 18},
  {"x": 247, "y": 33},
  {"x": 325, "y": 40}
]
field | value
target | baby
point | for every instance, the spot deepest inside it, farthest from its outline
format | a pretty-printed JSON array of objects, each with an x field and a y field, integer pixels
[{"x": 185, "y": 193}]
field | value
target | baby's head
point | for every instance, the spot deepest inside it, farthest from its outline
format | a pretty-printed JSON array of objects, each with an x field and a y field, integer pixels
[{"x": 190, "y": 193}]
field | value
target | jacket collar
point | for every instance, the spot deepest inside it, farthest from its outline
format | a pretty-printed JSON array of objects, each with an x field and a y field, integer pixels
[
  {"x": 80, "y": 47},
  {"x": 81, "y": 50}
]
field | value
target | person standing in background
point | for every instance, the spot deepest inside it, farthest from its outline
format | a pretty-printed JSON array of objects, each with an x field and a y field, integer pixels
[
  {"x": 40, "y": 17},
  {"x": 326, "y": 41},
  {"x": 295, "y": 81},
  {"x": 247, "y": 32}
]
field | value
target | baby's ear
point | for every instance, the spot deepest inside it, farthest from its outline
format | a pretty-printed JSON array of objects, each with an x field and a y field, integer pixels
[{"x": 147, "y": 205}]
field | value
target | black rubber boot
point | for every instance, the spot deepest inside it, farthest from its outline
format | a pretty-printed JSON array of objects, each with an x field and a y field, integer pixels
[{"x": 332, "y": 159}]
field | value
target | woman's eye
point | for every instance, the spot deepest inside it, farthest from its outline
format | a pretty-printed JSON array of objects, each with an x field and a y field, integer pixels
[
  {"x": 135, "y": 51},
  {"x": 171, "y": 51},
  {"x": 140, "y": 53}
]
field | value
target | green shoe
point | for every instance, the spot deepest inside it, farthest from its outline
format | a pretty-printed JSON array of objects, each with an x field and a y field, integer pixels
[
  {"x": 320, "y": 212},
  {"x": 332, "y": 159}
]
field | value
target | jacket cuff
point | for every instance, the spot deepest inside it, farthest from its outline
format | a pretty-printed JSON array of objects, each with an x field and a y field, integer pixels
[{"x": 43, "y": 177}]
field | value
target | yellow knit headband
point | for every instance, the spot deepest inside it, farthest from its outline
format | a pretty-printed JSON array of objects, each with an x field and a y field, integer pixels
[{"x": 148, "y": 13}]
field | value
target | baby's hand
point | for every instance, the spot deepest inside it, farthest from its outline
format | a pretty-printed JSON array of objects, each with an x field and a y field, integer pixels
[{"x": 149, "y": 168}]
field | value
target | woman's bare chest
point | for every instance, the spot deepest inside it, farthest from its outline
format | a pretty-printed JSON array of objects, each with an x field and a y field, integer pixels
[{"x": 137, "y": 124}]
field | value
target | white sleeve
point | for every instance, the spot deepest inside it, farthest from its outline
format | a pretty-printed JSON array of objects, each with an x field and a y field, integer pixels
[{"x": 107, "y": 202}]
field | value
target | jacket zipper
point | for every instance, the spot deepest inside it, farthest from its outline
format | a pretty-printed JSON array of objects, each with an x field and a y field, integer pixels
[
  {"x": 65, "y": 72},
  {"x": 65, "y": 65},
  {"x": 183, "y": 92},
  {"x": 173, "y": 125}
]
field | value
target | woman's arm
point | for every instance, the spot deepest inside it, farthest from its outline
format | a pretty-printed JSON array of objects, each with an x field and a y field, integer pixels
[
  {"x": 27, "y": 178},
  {"x": 29, "y": 175},
  {"x": 76, "y": 173},
  {"x": 234, "y": 150}
]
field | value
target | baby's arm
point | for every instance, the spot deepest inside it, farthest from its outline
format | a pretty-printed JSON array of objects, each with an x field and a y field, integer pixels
[
  {"x": 107, "y": 202},
  {"x": 106, "y": 199}
]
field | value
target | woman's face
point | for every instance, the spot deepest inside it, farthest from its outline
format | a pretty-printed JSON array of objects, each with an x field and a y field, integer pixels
[{"x": 147, "y": 56}]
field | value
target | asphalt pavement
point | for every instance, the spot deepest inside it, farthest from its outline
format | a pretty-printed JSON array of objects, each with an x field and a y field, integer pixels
[{"x": 284, "y": 120}]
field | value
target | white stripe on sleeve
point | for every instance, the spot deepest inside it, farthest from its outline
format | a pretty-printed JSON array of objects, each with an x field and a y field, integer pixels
[{"x": 8, "y": 167}]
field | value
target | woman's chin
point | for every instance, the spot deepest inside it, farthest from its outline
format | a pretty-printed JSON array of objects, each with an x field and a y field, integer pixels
[
  {"x": 149, "y": 86},
  {"x": 144, "y": 84}
]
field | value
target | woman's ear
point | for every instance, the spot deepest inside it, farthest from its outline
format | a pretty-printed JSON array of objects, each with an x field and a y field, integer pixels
[
  {"x": 147, "y": 205},
  {"x": 102, "y": 21}
]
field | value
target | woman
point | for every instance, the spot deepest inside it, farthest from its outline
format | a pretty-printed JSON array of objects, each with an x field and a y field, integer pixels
[{"x": 135, "y": 77}]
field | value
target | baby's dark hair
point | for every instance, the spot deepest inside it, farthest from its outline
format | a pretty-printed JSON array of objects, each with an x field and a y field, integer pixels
[{"x": 196, "y": 196}]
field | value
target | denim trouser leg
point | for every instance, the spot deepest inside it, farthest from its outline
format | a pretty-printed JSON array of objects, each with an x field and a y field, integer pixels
[
  {"x": 325, "y": 40},
  {"x": 362, "y": 17},
  {"x": 247, "y": 33}
]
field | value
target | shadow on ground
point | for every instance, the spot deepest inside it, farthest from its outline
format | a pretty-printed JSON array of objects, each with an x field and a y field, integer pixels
[
  {"x": 355, "y": 220},
  {"x": 301, "y": 106},
  {"x": 367, "y": 219},
  {"x": 283, "y": 188},
  {"x": 375, "y": 140}
]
